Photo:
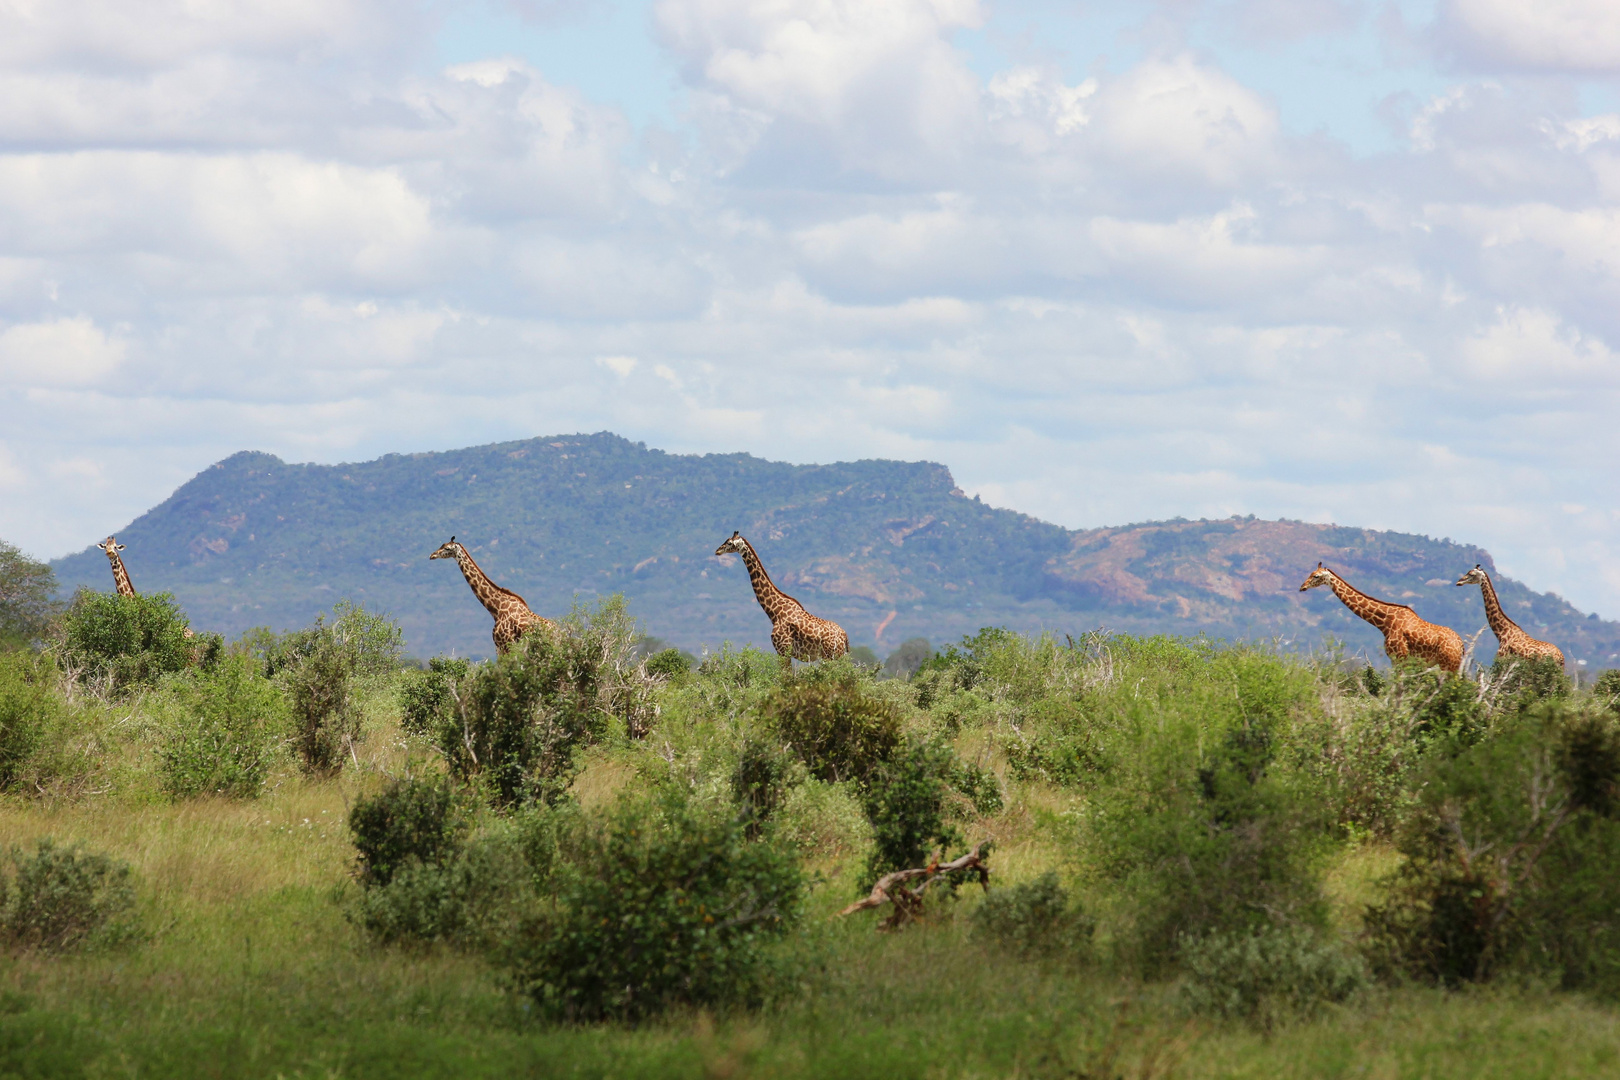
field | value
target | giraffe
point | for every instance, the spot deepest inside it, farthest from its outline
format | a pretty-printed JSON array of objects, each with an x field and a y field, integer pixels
[
  {"x": 1511, "y": 640},
  {"x": 120, "y": 575},
  {"x": 121, "y": 580},
  {"x": 512, "y": 615},
  {"x": 1404, "y": 633},
  {"x": 795, "y": 633}
]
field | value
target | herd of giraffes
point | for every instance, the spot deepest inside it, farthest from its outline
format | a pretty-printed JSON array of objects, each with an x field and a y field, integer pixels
[{"x": 798, "y": 635}]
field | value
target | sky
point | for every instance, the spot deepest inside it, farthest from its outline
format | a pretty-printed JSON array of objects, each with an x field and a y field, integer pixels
[{"x": 1330, "y": 260}]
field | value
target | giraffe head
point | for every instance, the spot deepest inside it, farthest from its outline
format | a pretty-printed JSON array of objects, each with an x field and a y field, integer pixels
[
  {"x": 449, "y": 550},
  {"x": 733, "y": 544},
  {"x": 111, "y": 547},
  {"x": 1320, "y": 576},
  {"x": 1476, "y": 576}
]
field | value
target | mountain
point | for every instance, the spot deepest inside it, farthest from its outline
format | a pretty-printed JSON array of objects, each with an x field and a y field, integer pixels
[{"x": 890, "y": 549}]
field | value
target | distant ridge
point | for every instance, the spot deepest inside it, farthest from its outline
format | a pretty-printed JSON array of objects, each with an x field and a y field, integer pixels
[{"x": 890, "y": 549}]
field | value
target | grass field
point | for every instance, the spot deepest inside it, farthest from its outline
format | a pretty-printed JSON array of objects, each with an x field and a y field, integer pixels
[{"x": 251, "y": 961}]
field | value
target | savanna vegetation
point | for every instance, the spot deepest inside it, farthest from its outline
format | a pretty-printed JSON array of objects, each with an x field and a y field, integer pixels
[{"x": 294, "y": 855}]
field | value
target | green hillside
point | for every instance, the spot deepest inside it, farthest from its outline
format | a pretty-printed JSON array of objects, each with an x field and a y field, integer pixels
[{"x": 890, "y": 549}]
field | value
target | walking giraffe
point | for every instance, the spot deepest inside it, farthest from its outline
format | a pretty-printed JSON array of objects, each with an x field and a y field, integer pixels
[
  {"x": 1404, "y": 633},
  {"x": 795, "y": 633},
  {"x": 1511, "y": 639},
  {"x": 512, "y": 615}
]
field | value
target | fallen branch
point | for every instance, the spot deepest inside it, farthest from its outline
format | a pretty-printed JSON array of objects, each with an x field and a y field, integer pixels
[{"x": 894, "y": 888}]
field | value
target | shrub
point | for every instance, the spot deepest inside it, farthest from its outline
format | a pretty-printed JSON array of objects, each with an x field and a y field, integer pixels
[
  {"x": 660, "y": 903},
  {"x": 1606, "y": 691},
  {"x": 839, "y": 732},
  {"x": 370, "y": 643},
  {"x": 27, "y": 706},
  {"x": 521, "y": 721},
  {"x": 905, "y": 661},
  {"x": 231, "y": 724},
  {"x": 1508, "y": 858},
  {"x": 907, "y": 801},
  {"x": 1265, "y": 974},
  {"x": 427, "y": 699},
  {"x": 760, "y": 781},
  {"x": 411, "y": 821},
  {"x": 126, "y": 640},
  {"x": 325, "y": 715},
  {"x": 1035, "y": 918},
  {"x": 670, "y": 663},
  {"x": 64, "y": 898},
  {"x": 1519, "y": 684},
  {"x": 27, "y": 598},
  {"x": 1200, "y": 820}
]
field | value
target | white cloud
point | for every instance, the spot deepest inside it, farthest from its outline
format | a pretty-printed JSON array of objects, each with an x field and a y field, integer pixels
[
  {"x": 1559, "y": 35},
  {"x": 63, "y": 352}
]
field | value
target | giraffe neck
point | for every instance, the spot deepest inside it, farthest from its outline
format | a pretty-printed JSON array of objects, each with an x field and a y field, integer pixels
[
  {"x": 1362, "y": 606},
  {"x": 488, "y": 593},
  {"x": 120, "y": 575},
  {"x": 1501, "y": 625},
  {"x": 772, "y": 599}
]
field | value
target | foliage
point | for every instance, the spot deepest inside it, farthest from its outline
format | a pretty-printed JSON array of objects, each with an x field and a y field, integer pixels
[
  {"x": 125, "y": 640},
  {"x": 663, "y": 902},
  {"x": 426, "y": 696},
  {"x": 325, "y": 714},
  {"x": 907, "y": 800},
  {"x": 1268, "y": 973},
  {"x": 1521, "y": 683},
  {"x": 518, "y": 724},
  {"x": 27, "y": 598},
  {"x": 839, "y": 731},
  {"x": 1508, "y": 858},
  {"x": 412, "y": 820},
  {"x": 760, "y": 781},
  {"x": 231, "y": 724},
  {"x": 27, "y": 705},
  {"x": 370, "y": 644},
  {"x": 1200, "y": 821},
  {"x": 670, "y": 663},
  {"x": 64, "y": 898},
  {"x": 1606, "y": 691},
  {"x": 908, "y": 659},
  {"x": 1034, "y": 918}
]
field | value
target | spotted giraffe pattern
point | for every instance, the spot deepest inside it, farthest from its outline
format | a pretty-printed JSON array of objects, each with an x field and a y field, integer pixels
[
  {"x": 512, "y": 615},
  {"x": 1511, "y": 639},
  {"x": 120, "y": 575},
  {"x": 122, "y": 583},
  {"x": 795, "y": 633},
  {"x": 1405, "y": 635}
]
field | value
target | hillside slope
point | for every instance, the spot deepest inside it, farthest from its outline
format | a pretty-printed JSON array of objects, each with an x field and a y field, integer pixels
[{"x": 890, "y": 549}]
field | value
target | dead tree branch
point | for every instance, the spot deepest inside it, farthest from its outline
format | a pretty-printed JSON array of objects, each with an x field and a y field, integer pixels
[{"x": 895, "y": 888}]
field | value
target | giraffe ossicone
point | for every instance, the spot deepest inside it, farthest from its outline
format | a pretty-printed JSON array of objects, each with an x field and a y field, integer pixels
[
  {"x": 511, "y": 613},
  {"x": 1510, "y": 637},
  {"x": 795, "y": 633},
  {"x": 1405, "y": 634}
]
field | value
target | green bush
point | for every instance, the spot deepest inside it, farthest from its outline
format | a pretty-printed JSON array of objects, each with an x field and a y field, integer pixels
[
  {"x": 1269, "y": 973},
  {"x": 670, "y": 663},
  {"x": 907, "y": 801},
  {"x": 28, "y": 604},
  {"x": 426, "y": 697},
  {"x": 1035, "y": 918},
  {"x": 838, "y": 731},
  {"x": 126, "y": 640},
  {"x": 908, "y": 659},
  {"x": 321, "y": 698},
  {"x": 659, "y": 903},
  {"x": 1509, "y": 858},
  {"x": 58, "y": 898},
  {"x": 27, "y": 706},
  {"x": 1520, "y": 684},
  {"x": 1201, "y": 820},
  {"x": 1606, "y": 691},
  {"x": 764, "y": 773},
  {"x": 410, "y": 821},
  {"x": 370, "y": 643},
  {"x": 231, "y": 724}
]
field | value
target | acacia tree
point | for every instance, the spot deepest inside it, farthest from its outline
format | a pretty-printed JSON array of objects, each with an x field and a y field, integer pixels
[{"x": 27, "y": 597}]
